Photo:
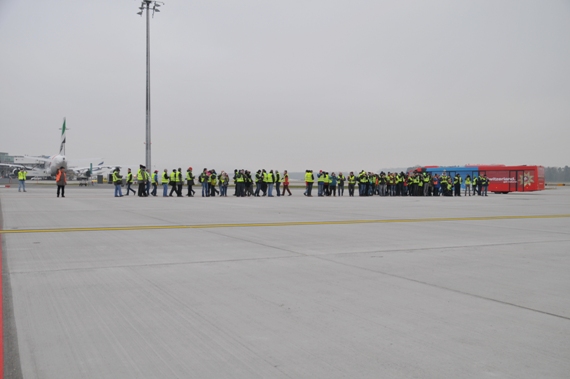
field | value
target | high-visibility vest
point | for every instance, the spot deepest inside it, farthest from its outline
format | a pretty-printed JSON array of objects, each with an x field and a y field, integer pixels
[
  {"x": 309, "y": 177},
  {"x": 269, "y": 177},
  {"x": 58, "y": 176},
  {"x": 239, "y": 178},
  {"x": 154, "y": 178},
  {"x": 140, "y": 175},
  {"x": 165, "y": 177},
  {"x": 467, "y": 181},
  {"x": 277, "y": 177},
  {"x": 189, "y": 175},
  {"x": 351, "y": 179},
  {"x": 173, "y": 176},
  {"x": 321, "y": 178},
  {"x": 115, "y": 178},
  {"x": 130, "y": 177}
]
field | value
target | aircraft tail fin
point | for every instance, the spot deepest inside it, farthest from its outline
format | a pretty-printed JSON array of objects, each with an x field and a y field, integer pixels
[{"x": 62, "y": 146}]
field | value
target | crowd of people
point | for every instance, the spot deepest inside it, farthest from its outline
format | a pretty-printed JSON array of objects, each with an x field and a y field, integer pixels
[
  {"x": 264, "y": 183},
  {"x": 210, "y": 182},
  {"x": 395, "y": 184}
]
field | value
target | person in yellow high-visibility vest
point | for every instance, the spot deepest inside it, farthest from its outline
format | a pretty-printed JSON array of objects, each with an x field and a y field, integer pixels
[
  {"x": 130, "y": 182},
  {"x": 309, "y": 181},
  {"x": 22, "y": 174},
  {"x": 173, "y": 176},
  {"x": 154, "y": 182},
  {"x": 117, "y": 181},
  {"x": 190, "y": 182},
  {"x": 141, "y": 176},
  {"x": 165, "y": 178},
  {"x": 179, "y": 182}
]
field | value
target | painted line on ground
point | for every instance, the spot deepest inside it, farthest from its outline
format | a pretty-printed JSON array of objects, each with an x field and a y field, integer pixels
[{"x": 284, "y": 223}]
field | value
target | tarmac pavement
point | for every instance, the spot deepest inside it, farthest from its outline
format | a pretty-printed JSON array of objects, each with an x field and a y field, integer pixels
[{"x": 293, "y": 287}]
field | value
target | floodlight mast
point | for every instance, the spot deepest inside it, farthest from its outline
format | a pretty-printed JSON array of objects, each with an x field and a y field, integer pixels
[{"x": 148, "y": 5}]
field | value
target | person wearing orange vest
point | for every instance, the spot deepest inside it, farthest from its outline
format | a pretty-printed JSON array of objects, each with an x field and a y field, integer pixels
[
  {"x": 61, "y": 181},
  {"x": 286, "y": 183}
]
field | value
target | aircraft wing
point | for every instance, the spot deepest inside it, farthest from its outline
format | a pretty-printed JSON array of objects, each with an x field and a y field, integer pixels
[
  {"x": 16, "y": 166},
  {"x": 39, "y": 159},
  {"x": 86, "y": 171}
]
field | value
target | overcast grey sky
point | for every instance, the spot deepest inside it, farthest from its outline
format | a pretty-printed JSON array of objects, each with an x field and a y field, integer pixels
[{"x": 337, "y": 85}]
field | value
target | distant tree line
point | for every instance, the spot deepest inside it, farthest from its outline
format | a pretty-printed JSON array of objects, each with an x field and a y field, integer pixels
[{"x": 557, "y": 174}]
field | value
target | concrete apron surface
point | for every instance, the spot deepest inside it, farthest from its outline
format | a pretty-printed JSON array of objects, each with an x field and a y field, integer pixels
[{"x": 293, "y": 287}]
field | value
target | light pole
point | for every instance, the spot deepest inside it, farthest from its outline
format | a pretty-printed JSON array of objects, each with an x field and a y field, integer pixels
[{"x": 148, "y": 5}]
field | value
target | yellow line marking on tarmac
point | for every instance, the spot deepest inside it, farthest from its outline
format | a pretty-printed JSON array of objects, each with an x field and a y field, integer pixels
[{"x": 284, "y": 223}]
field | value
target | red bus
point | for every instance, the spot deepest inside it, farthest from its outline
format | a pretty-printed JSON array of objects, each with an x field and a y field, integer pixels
[
  {"x": 505, "y": 179},
  {"x": 502, "y": 179}
]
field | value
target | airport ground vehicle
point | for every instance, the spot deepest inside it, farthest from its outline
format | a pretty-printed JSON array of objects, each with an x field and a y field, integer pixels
[{"x": 502, "y": 179}]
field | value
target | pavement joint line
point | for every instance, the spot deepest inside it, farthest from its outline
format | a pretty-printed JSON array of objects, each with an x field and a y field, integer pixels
[
  {"x": 150, "y": 264},
  {"x": 297, "y": 255},
  {"x": 328, "y": 259},
  {"x": 283, "y": 223}
]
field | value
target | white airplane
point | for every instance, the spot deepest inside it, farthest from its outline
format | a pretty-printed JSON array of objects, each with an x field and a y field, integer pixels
[{"x": 54, "y": 162}]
